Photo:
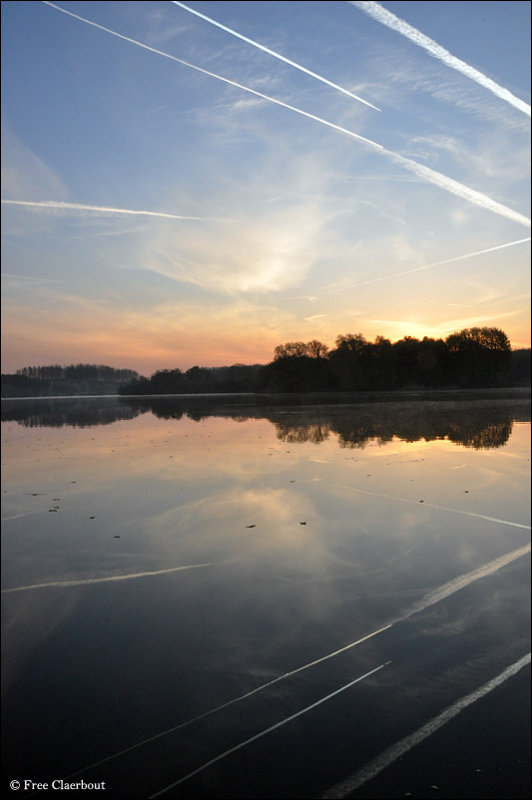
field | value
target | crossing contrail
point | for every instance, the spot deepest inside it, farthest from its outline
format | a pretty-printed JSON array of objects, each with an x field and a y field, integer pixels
[
  {"x": 385, "y": 17},
  {"x": 268, "y": 730},
  {"x": 429, "y": 599},
  {"x": 436, "y": 178},
  {"x": 55, "y": 205},
  {"x": 275, "y": 54},
  {"x": 387, "y": 757}
]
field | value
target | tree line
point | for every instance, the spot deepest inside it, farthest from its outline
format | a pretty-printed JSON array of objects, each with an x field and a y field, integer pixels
[
  {"x": 53, "y": 379},
  {"x": 470, "y": 358}
]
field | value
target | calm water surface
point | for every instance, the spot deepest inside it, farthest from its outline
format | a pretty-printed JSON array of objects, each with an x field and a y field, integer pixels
[{"x": 179, "y": 574}]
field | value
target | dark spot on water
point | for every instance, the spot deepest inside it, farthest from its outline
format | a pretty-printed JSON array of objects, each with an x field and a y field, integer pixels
[
  {"x": 92, "y": 517},
  {"x": 302, "y": 523},
  {"x": 116, "y": 537},
  {"x": 251, "y": 526},
  {"x": 53, "y": 509},
  {"x": 421, "y": 501}
]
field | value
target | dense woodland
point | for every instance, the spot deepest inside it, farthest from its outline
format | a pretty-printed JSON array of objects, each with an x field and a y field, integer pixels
[{"x": 471, "y": 358}]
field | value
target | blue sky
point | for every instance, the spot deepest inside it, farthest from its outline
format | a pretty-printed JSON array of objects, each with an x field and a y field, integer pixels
[{"x": 266, "y": 223}]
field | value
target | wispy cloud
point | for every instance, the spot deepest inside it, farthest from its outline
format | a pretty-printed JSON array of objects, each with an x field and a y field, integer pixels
[
  {"x": 385, "y": 17},
  {"x": 24, "y": 174},
  {"x": 54, "y": 205},
  {"x": 429, "y": 175},
  {"x": 269, "y": 253},
  {"x": 275, "y": 54}
]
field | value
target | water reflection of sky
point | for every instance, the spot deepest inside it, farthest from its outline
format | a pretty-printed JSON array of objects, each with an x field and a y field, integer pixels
[{"x": 268, "y": 548}]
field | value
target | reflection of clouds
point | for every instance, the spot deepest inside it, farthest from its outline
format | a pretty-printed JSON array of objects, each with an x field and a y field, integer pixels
[{"x": 220, "y": 526}]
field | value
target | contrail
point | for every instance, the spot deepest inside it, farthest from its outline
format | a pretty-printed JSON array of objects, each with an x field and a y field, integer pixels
[
  {"x": 454, "y": 187},
  {"x": 436, "y": 178},
  {"x": 390, "y": 755},
  {"x": 382, "y": 15},
  {"x": 107, "y": 579},
  {"x": 275, "y": 54},
  {"x": 268, "y": 730},
  {"x": 54, "y": 205},
  {"x": 214, "y": 75},
  {"x": 429, "y": 266},
  {"x": 429, "y": 599}
]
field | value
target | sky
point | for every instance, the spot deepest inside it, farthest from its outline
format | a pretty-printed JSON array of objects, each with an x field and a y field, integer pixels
[{"x": 194, "y": 184}]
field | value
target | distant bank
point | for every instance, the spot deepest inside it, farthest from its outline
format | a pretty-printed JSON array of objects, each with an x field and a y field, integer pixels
[{"x": 474, "y": 358}]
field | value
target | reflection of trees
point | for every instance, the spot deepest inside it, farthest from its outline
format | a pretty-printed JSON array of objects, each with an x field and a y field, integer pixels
[
  {"x": 470, "y": 424},
  {"x": 484, "y": 421},
  {"x": 478, "y": 423},
  {"x": 315, "y": 432},
  {"x": 492, "y": 435},
  {"x": 78, "y": 413}
]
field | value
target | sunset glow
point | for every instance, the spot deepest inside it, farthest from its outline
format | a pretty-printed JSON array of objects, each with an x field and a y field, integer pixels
[{"x": 197, "y": 183}]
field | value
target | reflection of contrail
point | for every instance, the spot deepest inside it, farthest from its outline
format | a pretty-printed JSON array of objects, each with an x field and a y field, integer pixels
[
  {"x": 268, "y": 730},
  {"x": 54, "y": 205},
  {"x": 436, "y": 178},
  {"x": 275, "y": 55},
  {"x": 386, "y": 17},
  {"x": 434, "y": 264},
  {"x": 108, "y": 579},
  {"x": 432, "y": 505},
  {"x": 452, "y": 586},
  {"x": 24, "y": 513},
  {"x": 387, "y": 757},
  {"x": 462, "y": 581}
]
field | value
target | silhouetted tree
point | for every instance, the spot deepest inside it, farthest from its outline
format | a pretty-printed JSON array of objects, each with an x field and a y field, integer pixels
[
  {"x": 290, "y": 349},
  {"x": 346, "y": 361},
  {"x": 316, "y": 349},
  {"x": 479, "y": 357}
]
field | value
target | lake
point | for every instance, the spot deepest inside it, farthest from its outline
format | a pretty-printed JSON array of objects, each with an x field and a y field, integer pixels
[{"x": 255, "y": 597}]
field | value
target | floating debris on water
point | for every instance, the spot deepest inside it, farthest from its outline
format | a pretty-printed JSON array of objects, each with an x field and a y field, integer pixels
[{"x": 251, "y": 526}]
